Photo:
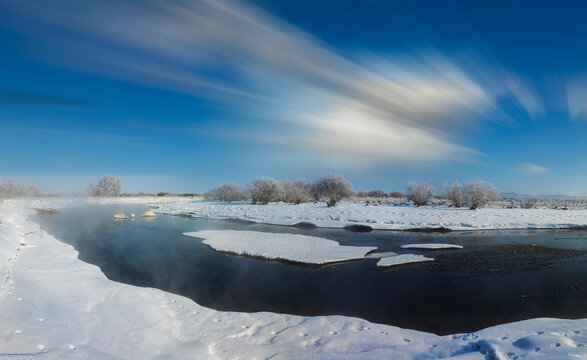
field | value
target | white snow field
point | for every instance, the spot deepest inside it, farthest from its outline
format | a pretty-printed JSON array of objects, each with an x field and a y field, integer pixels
[
  {"x": 431, "y": 246},
  {"x": 401, "y": 259},
  {"x": 290, "y": 247},
  {"x": 383, "y": 217},
  {"x": 54, "y": 306}
]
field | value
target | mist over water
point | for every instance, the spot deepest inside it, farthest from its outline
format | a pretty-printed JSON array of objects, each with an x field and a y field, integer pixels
[{"x": 499, "y": 276}]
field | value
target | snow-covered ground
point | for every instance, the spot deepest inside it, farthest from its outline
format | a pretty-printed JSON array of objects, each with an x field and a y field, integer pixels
[
  {"x": 54, "y": 306},
  {"x": 290, "y": 247},
  {"x": 383, "y": 216}
]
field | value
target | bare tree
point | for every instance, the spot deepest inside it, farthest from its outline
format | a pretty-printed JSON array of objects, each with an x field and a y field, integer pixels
[
  {"x": 479, "y": 193},
  {"x": 531, "y": 202},
  {"x": 295, "y": 192},
  {"x": 378, "y": 194},
  {"x": 362, "y": 194},
  {"x": 228, "y": 191},
  {"x": 455, "y": 194},
  {"x": 420, "y": 193},
  {"x": 334, "y": 188},
  {"x": 264, "y": 190},
  {"x": 107, "y": 186}
]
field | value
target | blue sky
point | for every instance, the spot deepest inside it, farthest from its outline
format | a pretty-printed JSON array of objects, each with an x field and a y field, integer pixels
[{"x": 181, "y": 95}]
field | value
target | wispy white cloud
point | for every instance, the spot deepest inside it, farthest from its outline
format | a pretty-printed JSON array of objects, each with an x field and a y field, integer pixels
[
  {"x": 406, "y": 110},
  {"x": 533, "y": 169},
  {"x": 576, "y": 92}
]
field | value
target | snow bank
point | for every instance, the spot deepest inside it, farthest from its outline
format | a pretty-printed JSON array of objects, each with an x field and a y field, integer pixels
[
  {"x": 290, "y": 247},
  {"x": 383, "y": 217},
  {"x": 431, "y": 246},
  {"x": 401, "y": 259},
  {"x": 57, "y": 307}
]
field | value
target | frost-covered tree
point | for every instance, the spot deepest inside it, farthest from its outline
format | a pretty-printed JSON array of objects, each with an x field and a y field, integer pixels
[
  {"x": 264, "y": 190},
  {"x": 420, "y": 193},
  {"x": 455, "y": 194},
  {"x": 296, "y": 192},
  {"x": 106, "y": 186},
  {"x": 479, "y": 193},
  {"x": 362, "y": 194},
  {"x": 228, "y": 191},
  {"x": 10, "y": 189},
  {"x": 531, "y": 202},
  {"x": 397, "y": 195},
  {"x": 333, "y": 188},
  {"x": 378, "y": 194},
  {"x": 316, "y": 191}
]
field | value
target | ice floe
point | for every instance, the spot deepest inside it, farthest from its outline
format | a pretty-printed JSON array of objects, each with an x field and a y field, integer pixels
[
  {"x": 289, "y": 247},
  {"x": 401, "y": 259}
]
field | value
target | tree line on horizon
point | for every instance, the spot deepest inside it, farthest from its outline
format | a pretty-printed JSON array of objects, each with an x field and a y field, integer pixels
[
  {"x": 329, "y": 188},
  {"x": 333, "y": 188}
]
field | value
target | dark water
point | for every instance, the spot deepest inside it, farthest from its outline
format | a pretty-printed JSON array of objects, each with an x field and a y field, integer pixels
[{"x": 499, "y": 276}]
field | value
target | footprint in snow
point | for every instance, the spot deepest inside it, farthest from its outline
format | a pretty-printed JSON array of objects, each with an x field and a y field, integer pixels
[{"x": 333, "y": 333}]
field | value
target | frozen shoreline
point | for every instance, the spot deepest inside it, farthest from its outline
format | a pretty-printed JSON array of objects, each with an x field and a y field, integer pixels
[
  {"x": 59, "y": 307},
  {"x": 383, "y": 217}
]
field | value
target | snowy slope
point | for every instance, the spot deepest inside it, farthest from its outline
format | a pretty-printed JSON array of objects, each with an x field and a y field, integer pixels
[
  {"x": 382, "y": 216},
  {"x": 57, "y": 307}
]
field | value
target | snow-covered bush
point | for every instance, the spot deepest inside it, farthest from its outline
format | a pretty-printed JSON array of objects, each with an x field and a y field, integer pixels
[
  {"x": 454, "y": 193},
  {"x": 378, "y": 194},
  {"x": 420, "y": 193},
  {"x": 333, "y": 188},
  {"x": 295, "y": 192},
  {"x": 264, "y": 190},
  {"x": 107, "y": 186},
  {"x": 9, "y": 189},
  {"x": 479, "y": 193},
  {"x": 531, "y": 202},
  {"x": 227, "y": 191}
]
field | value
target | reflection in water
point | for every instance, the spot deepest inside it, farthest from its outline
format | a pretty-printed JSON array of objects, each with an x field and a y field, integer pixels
[{"x": 499, "y": 276}]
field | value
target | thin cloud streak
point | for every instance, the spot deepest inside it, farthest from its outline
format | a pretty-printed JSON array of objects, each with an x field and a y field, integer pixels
[
  {"x": 533, "y": 169},
  {"x": 239, "y": 55}
]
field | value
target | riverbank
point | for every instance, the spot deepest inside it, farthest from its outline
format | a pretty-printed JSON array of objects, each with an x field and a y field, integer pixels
[
  {"x": 62, "y": 308},
  {"x": 384, "y": 216}
]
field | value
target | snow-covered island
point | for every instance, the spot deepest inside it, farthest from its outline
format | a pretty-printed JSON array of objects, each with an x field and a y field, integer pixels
[
  {"x": 55, "y": 306},
  {"x": 295, "y": 248},
  {"x": 383, "y": 217}
]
